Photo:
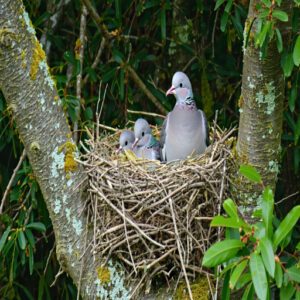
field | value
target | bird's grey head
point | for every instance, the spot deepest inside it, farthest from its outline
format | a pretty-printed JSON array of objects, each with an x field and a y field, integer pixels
[
  {"x": 142, "y": 131},
  {"x": 181, "y": 87},
  {"x": 126, "y": 140}
]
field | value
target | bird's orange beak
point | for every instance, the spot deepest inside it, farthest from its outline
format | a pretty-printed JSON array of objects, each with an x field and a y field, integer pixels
[{"x": 171, "y": 90}]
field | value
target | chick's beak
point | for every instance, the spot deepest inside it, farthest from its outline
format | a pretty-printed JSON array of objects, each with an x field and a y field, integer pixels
[
  {"x": 135, "y": 142},
  {"x": 171, "y": 90},
  {"x": 119, "y": 149}
]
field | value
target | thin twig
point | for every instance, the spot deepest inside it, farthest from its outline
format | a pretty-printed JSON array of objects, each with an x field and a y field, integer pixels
[
  {"x": 179, "y": 251},
  {"x": 97, "y": 19},
  {"x": 97, "y": 59},
  {"x": 134, "y": 225},
  {"x": 12, "y": 179},
  {"x": 287, "y": 197},
  {"x": 144, "y": 88},
  {"x": 59, "y": 273},
  {"x": 80, "y": 54},
  {"x": 145, "y": 113},
  {"x": 48, "y": 259},
  {"x": 128, "y": 244}
]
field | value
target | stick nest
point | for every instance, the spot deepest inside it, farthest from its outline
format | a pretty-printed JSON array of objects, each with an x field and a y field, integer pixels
[{"x": 155, "y": 217}]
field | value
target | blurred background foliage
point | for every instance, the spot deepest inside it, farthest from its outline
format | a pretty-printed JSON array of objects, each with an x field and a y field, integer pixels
[{"x": 151, "y": 39}]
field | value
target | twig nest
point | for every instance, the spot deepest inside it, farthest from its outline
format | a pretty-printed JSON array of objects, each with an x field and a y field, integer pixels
[{"x": 155, "y": 217}]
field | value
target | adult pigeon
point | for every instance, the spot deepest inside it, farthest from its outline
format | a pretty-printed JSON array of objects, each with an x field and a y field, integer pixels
[
  {"x": 185, "y": 130},
  {"x": 145, "y": 145},
  {"x": 126, "y": 141}
]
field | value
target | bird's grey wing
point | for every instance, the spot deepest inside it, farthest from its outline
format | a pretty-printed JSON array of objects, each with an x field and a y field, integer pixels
[
  {"x": 162, "y": 140},
  {"x": 205, "y": 127}
]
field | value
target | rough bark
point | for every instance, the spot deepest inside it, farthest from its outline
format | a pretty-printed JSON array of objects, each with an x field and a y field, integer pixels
[
  {"x": 261, "y": 111},
  {"x": 31, "y": 96}
]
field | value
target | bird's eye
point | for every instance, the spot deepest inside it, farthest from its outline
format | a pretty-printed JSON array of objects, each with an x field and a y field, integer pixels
[
  {"x": 143, "y": 133},
  {"x": 126, "y": 143},
  {"x": 180, "y": 85}
]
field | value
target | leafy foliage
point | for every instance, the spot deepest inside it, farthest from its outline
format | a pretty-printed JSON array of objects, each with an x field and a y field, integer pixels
[{"x": 261, "y": 254}]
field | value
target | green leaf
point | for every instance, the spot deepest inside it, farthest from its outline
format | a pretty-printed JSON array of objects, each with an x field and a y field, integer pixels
[
  {"x": 292, "y": 98},
  {"x": 249, "y": 292},
  {"x": 258, "y": 275},
  {"x": 264, "y": 13},
  {"x": 30, "y": 237},
  {"x": 294, "y": 273},
  {"x": 4, "y": 237},
  {"x": 237, "y": 272},
  {"x": 225, "y": 222},
  {"x": 279, "y": 40},
  {"x": 280, "y": 15},
  {"x": 244, "y": 279},
  {"x": 278, "y": 275},
  {"x": 163, "y": 24},
  {"x": 250, "y": 173},
  {"x": 296, "y": 52},
  {"x": 228, "y": 6},
  {"x": 297, "y": 295},
  {"x": 287, "y": 292},
  {"x": 31, "y": 260},
  {"x": 225, "y": 289},
  {"x": 263, "y": 33},
  {"x": 267, "y": 3},
  {"x": 221, "y": 252},
  {"x": 286, "y": 225},
  {"x": 267, "y": 206},
  {"x": 267, "y": 255},
  {"x": 219, "y": 3},
  {"x": 22, "y": 240},
  {"x": 224, "y": 20},
  {"x": 37, "y": 226},
  {"x": 230, "y": 208},
  {"x": 287, "y": 64}
]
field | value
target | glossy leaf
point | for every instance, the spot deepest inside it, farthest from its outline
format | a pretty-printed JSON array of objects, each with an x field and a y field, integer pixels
[
  {"x": 225, "y": 289},
  {"x": 267, "y": 206},
  {"x": 250, "y": 173},
  {"x": 279, "y": 40},
  {"x": 280, "y": 15},
  {"x": 287, "y": 64},
  {"x": 278, "y": 275},
  {"x": 263, "y": 33},
  {"x": 224, "y": 20},
  {"x": 296, "y": 52},
  {"x": 219, "y": 3},
  {"x": 287, "y": 292},
  {"x": 267, "y": 3},
  {"x": 36, "y": 226},
  {"x": 4, "y": 237},
  {"x": 31, "y": 260},
  {"x": 225, "y": 222},
  {"x": 230, "y": 208},
  {"x": 286, "y": 225},
  {"x": 249, "y": 292},
  {"x": 267, "y": 255},
  {"x": 292, "y": 98},
  {"x": 237, "y": 272},
  {"x": 258, "y": 275},
  {"x": 22, "y": 240},
  {"x": 221, "y": 252},
  {"x": 294, "y": 273}
]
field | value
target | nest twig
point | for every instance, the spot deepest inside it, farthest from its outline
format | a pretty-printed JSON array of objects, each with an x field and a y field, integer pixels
[{"x": 155, "y": 217}]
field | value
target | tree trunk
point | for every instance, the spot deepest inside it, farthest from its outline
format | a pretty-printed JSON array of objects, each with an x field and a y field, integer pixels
[
  {"x": 261, "y": 111},
  {"x": 32, "y": 98}
]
